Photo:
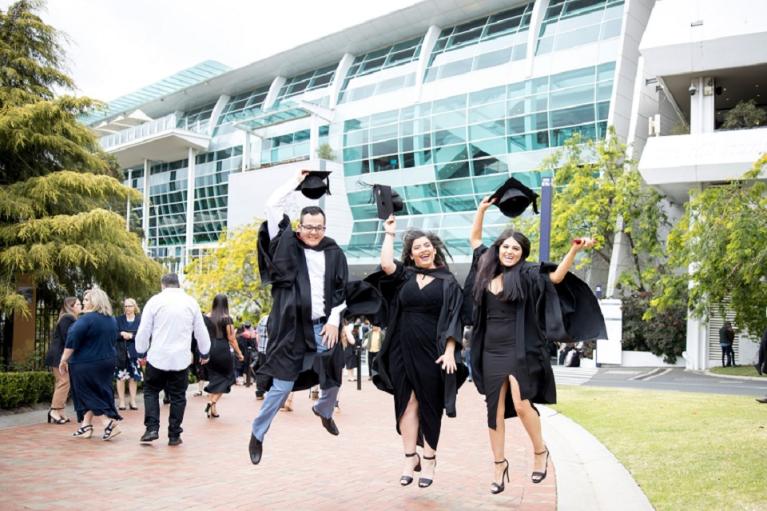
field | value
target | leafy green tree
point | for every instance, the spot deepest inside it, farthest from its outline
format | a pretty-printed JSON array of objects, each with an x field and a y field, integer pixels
[
  {"x": 598, "y": 192},
  {"x": 231, "y": 268},
  {"x": 61, "y": 209},
  {"x": 722, "y": 238}
]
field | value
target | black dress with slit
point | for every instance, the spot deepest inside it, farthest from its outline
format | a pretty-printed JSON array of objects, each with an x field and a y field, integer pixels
[
  {"x": 512, "y": 338},
  {"x": 500, "y": 359},
  {"x": 413, "y": 352},
  {"x": 420, "y": 323},
  {"x": 220, "y": 367}
]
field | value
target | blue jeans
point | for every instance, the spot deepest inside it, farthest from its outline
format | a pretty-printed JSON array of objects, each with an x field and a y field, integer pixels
[{"x": 280, "y": 390}]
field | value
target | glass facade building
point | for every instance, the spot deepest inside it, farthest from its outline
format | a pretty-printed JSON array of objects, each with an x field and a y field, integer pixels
[{"x": 444, "y": 115}]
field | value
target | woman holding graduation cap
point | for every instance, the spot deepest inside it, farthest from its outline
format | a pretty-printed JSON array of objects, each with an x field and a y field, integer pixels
[
  {"x": 516, "y": 311},
  {"x": 417, "y": 361}
]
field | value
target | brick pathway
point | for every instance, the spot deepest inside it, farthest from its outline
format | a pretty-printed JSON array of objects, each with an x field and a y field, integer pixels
[{"x": 303, "y": 467}]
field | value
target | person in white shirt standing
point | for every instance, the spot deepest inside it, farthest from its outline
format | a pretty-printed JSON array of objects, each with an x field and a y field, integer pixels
[
  {"x": 170, "y": 318},
  {"x": 308, "y": 273}
]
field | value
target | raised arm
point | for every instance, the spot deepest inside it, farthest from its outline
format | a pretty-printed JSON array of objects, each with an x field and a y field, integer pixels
[
  {"x": 387, "y": 250},
  {"x": 278, "y": 202},
  {"x": 577, "y": 245},
  {"x": 475, "y": 238}
]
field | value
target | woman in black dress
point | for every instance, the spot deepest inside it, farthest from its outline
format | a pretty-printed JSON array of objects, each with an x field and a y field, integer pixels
[
  {"x": 516, "y": 310},
  {"x": 221, "y": 375},
  {"x": 417, "y": 362}
]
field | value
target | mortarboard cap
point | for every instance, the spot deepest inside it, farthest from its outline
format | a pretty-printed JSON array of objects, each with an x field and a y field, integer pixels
[
  {"x": 387, "y": 201},
  {"x": 513, "y": 198},
  {"x": 315, "y": 184}
]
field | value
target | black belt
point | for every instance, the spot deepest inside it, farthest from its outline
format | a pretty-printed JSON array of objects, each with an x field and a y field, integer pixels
[{"x": 319, "y": 321}]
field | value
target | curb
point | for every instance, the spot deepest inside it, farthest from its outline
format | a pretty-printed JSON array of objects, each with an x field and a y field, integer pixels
[
  {"x": 589, "y": 476},
  {"x": 733, "y": 377}
]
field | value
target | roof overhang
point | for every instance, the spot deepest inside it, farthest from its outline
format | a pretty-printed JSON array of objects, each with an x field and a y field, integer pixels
[{"x": 169, "y": 145}]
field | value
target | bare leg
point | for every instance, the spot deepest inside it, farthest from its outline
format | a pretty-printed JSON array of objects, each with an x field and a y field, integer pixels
[
  {"x": 532, "y": 424},
  {"x": 498, "y": 435},
  {"x": 120, "y": 393},
  {"x": 408, "y": 426},
  {"x": 133, "y": 389},
  {"x": 87, "y": 418}
]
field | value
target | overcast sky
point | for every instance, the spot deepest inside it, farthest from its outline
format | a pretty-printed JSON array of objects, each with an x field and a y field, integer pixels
[{"x": 118, "y": 46}]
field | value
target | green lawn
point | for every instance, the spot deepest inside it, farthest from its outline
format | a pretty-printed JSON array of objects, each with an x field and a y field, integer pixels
[
  {"x": 748, "y": 370},
  {"x": 686, "y": 451}
]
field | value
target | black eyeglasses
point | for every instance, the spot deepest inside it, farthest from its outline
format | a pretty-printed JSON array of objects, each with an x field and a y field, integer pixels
[{"x": 313, "y": 228}]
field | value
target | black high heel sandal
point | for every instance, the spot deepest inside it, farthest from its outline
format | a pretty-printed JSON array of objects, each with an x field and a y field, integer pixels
[
  {"x": 424, "y": 482},
  {"x": 111, "y": 430},
  {"x": 54, "y": 420},
  {"x": 406, "y": 480},
  {"x": 537, "y": 476},
  {"x": 496, "y": 488},
  {"x": 207, "y": 409}
]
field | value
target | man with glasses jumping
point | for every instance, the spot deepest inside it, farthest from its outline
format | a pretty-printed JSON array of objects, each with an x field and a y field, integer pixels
[{"x": 308, "y": 273}]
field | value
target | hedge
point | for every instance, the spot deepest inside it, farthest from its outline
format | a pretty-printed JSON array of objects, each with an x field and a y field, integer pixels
[{"x": 25, "y": 388}]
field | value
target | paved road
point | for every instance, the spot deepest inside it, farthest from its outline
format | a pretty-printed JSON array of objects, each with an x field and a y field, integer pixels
[
  {"x": 675, "y": 379},
  {"x": 303, "y": 467}
]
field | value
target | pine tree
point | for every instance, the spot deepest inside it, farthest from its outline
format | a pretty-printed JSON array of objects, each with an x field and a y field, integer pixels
[{"x": 61, "y": 208}]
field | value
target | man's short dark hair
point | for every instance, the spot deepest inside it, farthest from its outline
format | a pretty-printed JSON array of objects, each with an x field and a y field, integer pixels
[
  {"x": 169, "y": 280},
  {"x": 312, "y": 210}
]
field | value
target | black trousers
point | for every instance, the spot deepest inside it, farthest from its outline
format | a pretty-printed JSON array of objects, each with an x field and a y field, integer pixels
[
  {"x": 728, "y": 356},
  {"x": 174, "y": 383},
  {"x": 263, "y": 382},
  {"x": 762, "y": 362},
  {"x": 371, "y": 356}
]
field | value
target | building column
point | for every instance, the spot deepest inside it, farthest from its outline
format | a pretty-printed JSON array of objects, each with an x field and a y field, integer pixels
[
  {"x": 145, "y": 207},
  {"x": 342, "y": 69},
  {"x": 429, "y": 40},
  {"x": 696, "y": 354},
  {"x": 216, "y": 113},
  {"x": 274, "y": 91},
  {"x": 702, "y": 105},
  {"x": 189, "y": 204},
  {"x": 127, "y": 204},
  {"x": 536, "y": 18}
]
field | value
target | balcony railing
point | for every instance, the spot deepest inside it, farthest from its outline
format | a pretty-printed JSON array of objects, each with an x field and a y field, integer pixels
[{"x": 147, "y": 129}]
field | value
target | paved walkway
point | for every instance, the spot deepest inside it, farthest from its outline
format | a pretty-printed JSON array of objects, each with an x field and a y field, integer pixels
[{"x": 303, "y": 467}]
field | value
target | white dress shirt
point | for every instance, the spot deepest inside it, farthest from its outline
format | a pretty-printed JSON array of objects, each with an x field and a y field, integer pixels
[
  {"x": 315, "y": 259},
  {"x": 169, "y": 319}
]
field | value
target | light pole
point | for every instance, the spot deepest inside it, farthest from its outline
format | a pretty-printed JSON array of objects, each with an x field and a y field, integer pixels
[{"x": 545, "y": 227}]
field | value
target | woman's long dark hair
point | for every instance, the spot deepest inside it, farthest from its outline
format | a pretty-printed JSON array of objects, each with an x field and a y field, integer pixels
[
  {"x": 407, "y": 246},
  {"x": 219, "y": 311},
  {"x": 489, "y": 266}
]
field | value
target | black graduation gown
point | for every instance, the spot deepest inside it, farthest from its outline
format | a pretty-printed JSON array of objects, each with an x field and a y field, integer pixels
[
  {"x": 291, "y": 353},
  {"x": 549, "y": 313},
  {"x": 449, "y": 325}
]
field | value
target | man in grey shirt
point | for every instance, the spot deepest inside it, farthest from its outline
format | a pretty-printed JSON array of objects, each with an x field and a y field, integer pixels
[{"x": 169, "y": 320}]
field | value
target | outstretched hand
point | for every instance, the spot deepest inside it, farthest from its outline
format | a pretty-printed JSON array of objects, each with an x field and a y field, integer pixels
[
  {"x": 390, "y": 225},
  {"x": 485, "y": 203},
  {"x": 579, "y": 244},
  {"x": 447, "y": 362}
]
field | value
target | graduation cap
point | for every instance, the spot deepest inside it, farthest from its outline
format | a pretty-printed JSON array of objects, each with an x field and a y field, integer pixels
[
  {"x": 315, "y": 184},
  {"x": 512, "y": 198},
  {"x": 387, "y": 201}
]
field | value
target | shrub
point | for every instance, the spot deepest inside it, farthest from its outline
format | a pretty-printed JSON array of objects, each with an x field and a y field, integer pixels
[
  {"x": 665, "y": 335},
  {"x": 24, "y": 388}
]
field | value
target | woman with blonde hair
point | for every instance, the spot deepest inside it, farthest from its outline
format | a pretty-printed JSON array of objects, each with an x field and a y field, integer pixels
[
  {"x": 127, "y": 367},
  {"x": 70, "y": 309},
  {"x": 89, "y": 358}
]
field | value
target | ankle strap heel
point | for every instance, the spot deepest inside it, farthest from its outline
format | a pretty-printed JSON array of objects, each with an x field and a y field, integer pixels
[
  {"x": 406, "y": 480},
  {"x": 496, "y": 488}
]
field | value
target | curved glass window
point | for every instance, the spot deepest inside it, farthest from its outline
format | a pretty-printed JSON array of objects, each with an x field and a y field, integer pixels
[
  {"x": 570, "y": 23},
  {"x": 480, "y": 43},
  {"x": 306, "y": 82},
  {"x": 244, "y": 106}
]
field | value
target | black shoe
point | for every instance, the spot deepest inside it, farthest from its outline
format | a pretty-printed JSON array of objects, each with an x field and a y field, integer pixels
[
  {"x": 496, "y": 488},
  {"x": 425, "y": 482},
  {"x": 764, "y": 401},
  {"x": 328, "y": 424},
  {"x": 536, "y": 476},
  {"x": 175, "y": 440},
  {"x": 149, "y": 435},
  {"x": 406, "y": 480},
  {"x": 255, "y": 449}
]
